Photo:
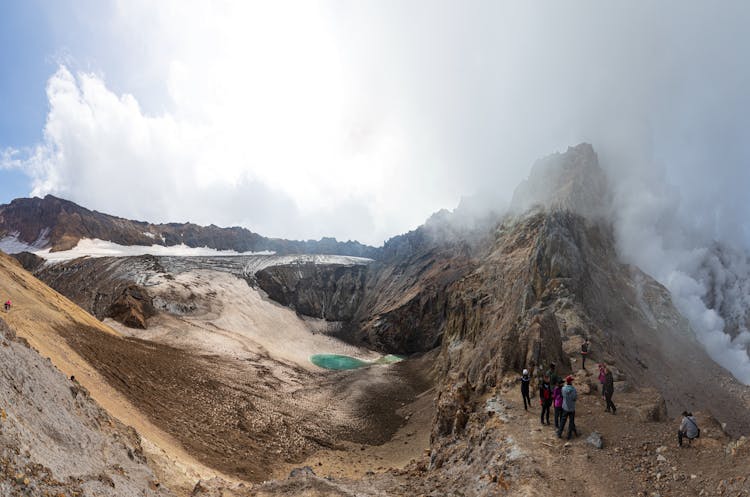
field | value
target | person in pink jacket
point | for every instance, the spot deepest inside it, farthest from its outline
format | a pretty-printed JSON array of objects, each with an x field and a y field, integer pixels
[{"x": 557, "y": 401}]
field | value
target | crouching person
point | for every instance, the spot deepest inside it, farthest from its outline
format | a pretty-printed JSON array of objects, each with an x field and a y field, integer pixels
[{"x": 688, "y": 428}]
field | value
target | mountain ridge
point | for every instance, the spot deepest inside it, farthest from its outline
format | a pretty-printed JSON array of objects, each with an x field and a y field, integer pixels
[{"x": 59, "y": 225}]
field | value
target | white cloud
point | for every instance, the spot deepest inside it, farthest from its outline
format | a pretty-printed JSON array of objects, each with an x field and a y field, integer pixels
[
  {"x": 359, "y": 120},
  {"x": 260, "y": 127}
]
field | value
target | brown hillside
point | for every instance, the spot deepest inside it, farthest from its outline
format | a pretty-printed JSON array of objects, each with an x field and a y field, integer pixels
[{"x": 43, "y": 317}]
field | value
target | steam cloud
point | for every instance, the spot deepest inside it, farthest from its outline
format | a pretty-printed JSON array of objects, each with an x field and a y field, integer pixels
[{"x": 709, "y": 279}]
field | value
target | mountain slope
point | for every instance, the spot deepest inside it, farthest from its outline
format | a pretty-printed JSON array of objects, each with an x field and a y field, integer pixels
[
  {"x": 59, "y": 224},
  {"x": 54, "y": 439},
  {"x": 44, "y": 318}
]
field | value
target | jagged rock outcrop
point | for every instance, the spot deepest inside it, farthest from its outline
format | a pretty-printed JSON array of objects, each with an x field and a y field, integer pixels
[
  {"x": 331, "y": 292},
  {"x": 55, "y": 440},
  {"x": 570, "y": 181},
  {"x": 59, "y": 224},
  {"x": 132, "y": 308}
]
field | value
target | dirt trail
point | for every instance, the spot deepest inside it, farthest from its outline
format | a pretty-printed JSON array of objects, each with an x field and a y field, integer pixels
[{"x": 639, "y": 458}]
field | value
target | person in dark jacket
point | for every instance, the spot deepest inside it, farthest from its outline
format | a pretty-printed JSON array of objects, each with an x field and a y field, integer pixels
[
  {"x": 545, "y": 398},
  {"x": 525, "y": 381},
  {"x": 602, "y": 377},
  {"x": 584, "y": 352},
  {"x": 569, "y": 394},
  {"x": 552, "y": 374},
  {"x": 609, "y": 390}
]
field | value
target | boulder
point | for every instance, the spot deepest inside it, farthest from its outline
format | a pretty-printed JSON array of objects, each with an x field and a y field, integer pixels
[
  {"x": 595, "y": 439},
  {"x": 301, "y": 472}
]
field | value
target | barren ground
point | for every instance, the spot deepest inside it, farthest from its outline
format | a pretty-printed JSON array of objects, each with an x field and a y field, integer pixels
[{"x": 226, "y": 388}]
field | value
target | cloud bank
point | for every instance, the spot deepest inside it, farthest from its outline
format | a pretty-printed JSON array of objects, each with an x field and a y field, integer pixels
[{"x": 303, "y": 119}]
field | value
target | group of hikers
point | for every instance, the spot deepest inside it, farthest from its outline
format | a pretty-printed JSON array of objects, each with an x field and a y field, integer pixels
[{"x": 554, "y": 391}]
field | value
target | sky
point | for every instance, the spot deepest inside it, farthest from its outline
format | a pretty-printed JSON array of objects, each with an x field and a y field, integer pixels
[
  {"x": 360, "y": 119},
  {"x": 303, "y": 119}
]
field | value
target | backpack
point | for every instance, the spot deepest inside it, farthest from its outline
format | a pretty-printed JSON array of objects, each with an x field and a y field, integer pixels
[{"x": 697, "y": 430}]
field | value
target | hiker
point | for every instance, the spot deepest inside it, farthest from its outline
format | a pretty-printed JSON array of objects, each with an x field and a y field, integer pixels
[
  {"x": 7, "y": 305},
  {"x": 552, "y": 374},
  {"x": 525, "y": 381},
  {"x": 584, "y": 352},
  {"x": 545, "y": 398},
  {"x": 569, "y": 395},
  {"x": 688, "y": 428},
  {"x": 557, "y": 401},
  {"x": 609, "y": 389},
  {"x": 602, "y": 376}
]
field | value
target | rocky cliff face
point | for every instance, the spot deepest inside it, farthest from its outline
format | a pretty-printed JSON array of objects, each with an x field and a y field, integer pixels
[
  {"x": 330, "y": 292},
  {"x": 106, "y": 287},
  {"x": 59, "y": 224}
]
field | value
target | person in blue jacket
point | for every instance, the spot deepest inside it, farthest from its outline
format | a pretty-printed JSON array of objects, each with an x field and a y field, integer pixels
[{"x": 569, "y": 395}]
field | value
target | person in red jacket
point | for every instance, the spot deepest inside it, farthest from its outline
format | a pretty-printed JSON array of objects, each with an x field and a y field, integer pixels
[{"x": 545, "y": 398}]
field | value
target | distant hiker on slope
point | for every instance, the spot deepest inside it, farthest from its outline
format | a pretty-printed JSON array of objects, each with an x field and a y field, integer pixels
[
  {"x": 688, "y": 428},
  {"x": 602, "y": 377},
  {"x": 7, "y": 305},
  {"x": 609, "y": 390},
  {"x": 545, "y": 398},
  {"x": 525, "y": 380},
  {"x": 584, "y": 352},
  {"x": 569, "y": 395},
  {"x": 552, "y": 374},
  {"x": 557, "y": 401}
]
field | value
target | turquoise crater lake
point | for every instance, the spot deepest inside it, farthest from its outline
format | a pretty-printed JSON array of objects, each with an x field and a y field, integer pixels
[{"x": 335, "y": 361}]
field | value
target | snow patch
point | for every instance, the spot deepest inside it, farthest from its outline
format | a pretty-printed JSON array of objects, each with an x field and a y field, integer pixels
[
  {"x": 101, "y": 248},
  {"x": 10, "y": 243}
]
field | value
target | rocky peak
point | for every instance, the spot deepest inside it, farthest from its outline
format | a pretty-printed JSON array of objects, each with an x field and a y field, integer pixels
[{"x": 572, "y": 181}]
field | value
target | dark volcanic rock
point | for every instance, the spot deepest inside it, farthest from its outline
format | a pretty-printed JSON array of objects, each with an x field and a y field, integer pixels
[
  {"x": 103, "y": 287},
  {"x": 331, "y": 292},
  {"x": 30, "y": 262},
  {"x": 405, "y": 305}
]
